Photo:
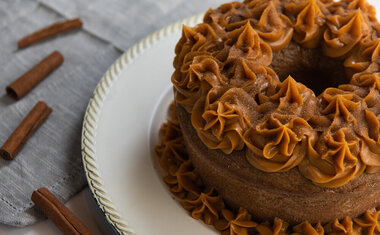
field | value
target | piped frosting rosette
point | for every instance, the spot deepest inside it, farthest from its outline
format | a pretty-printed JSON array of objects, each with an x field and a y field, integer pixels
[
  {"x": 334, "y": 160},
  {"x": 343, "y": 33},
  {"x": 200, "y": 76},
  {"x": 245, "y": 43},
  {"x": 278, "y": 143},
  {"x": 273, "y": 27},
  {"x": 344, "y": 6},
  {"x": 366, "y": 52},
  {"x": 309, "y": 21},
  {"x": 341, "y": 106},
  {"x": 221, "y": 120},
  {"x": 233, "y": 16},
  {"x": 294, "y": 98}
]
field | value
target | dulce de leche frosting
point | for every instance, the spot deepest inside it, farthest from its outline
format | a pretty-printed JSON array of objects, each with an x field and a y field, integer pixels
[{"x": 225, "y": 78}]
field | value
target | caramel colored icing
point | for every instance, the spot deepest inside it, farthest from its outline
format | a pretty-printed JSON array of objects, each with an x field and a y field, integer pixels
[
  {"x": 223, "y": 77},
  {"x": 277, "y": 144},
  {"x": 203, "y": 205},
  {"x": 222, "y": 122},
  {"x": 274, "y": 28},
  {"x": 310, "y": 21},
  {"x": 232, "y": 224},
  {"x": 206, "y": 204},
  {"x": 343, "y": 33}
]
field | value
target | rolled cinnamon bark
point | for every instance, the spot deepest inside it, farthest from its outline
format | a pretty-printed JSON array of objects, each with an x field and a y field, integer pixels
[
  {"x": 58, "y": 213},
  {"x": 50, "y": 31},
  {"x": 26, "y": 128},
  {"x": 30, "y": 79}
]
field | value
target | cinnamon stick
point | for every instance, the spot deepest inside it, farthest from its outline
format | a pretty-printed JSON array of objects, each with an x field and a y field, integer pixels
[
  {"x": 58, "y": 213},
  {"x": 27, "y": 127},
  {"x": 33, "y": 77},
  {"x": 50, "y": 31}
]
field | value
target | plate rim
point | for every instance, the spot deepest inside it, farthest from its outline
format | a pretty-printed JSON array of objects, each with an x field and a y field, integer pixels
[{"x": 91, "y": 117}]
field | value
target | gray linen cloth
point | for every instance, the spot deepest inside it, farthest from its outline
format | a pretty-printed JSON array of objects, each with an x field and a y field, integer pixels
[{"x": 52, "y": 156}]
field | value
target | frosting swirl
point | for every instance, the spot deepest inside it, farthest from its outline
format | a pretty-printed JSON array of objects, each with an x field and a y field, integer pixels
[
  {"x": 246, "y": 43},
  {"x": 204, "y": 206},
  {"x": 367, "y": 52},
  {"x": 279, "y": 228},
  {"x": 307, "y": 228},
  {"x": 221, "y": 122},
  {"x": 367, "y": 80},
  {"x": 274, "y": 28},
  {"x": 231, "y": 16},
  {"x": 369, "y": 222},
  {"x": 294, "y": 98},
  {"x": 262, "y": 82},
  {"x": 235, "y": 225},
  {"x": 335, "y": 161},
  {"x": 278, "y": 143},
  {"x": 310, "y": 22},
  {"x": 353, "y": 5},
  {"x": 340, "y": 104},
  {"x": 182, "y": 180},
  {"x": 343, "y": 33}
]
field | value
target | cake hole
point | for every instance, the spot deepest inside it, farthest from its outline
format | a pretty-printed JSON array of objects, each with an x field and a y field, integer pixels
[
  {"x": 309, "y": 67},
  {"x": 319, "y": 80}
]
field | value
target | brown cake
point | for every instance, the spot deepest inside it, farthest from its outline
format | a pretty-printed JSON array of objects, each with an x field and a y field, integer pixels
[{"x": 278, "y": 103}]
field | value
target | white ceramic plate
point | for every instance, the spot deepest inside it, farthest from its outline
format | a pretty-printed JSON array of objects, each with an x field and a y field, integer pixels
[{"x": 121, "y": 127}]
